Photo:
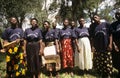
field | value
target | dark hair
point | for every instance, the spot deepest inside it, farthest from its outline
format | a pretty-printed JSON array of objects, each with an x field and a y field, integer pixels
[
  {"x": 47, "y": 22},
  {"x": 33, "y": 19},
  {"x": 18, "y": 24},
  {"x": 66, "y": 19},
  {"x": 15, "y": 18}
]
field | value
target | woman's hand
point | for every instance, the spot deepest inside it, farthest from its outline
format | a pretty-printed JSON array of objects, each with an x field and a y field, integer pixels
[
  {"x": 93, "y": 49},
  {"x": 109, "y": 47},
  {"x": 58, "y": 51},
  {"x": 116, "y": 47},
  {"x": 41, "y": 53},
  {"x": 78, "y": 49},
  {"x": 17, "y": 40},
  {"x": 25, "y": 53},
  {"x": 3, "y": 50}
]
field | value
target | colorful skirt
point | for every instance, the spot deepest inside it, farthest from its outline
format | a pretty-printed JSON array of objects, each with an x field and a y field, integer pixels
[
  {"x": 16, "y": 65},
  {"x": 103, "y": 62},
  {"x": 67, "y": 53},
  {"x": 83, "y": 59}
]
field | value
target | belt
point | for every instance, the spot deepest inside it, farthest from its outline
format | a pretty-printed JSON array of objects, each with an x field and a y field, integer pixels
[
  {"x": 83, "y": 36},
  {"x": 33, "y": 41},
  {"x": 49, "y": 43}
]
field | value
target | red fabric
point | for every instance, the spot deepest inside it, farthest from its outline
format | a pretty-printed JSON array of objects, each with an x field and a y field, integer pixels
[{"x": 67, "y": 53}]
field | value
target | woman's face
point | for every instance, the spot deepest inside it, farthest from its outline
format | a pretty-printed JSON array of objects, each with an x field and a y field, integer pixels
[
  {"x": 96, "y": 18},
  {"x": 13, "y": 20},
  {"x": 66, "y": 22},
  {"x": 34, "y": 23},
  {"x": 81, "y": 21},
  {"x": 117, "y": 15},
  {"x": 54, "y": 25},
  {"x": 73, "y": 24},
  {"x": 46, "y": 25}
]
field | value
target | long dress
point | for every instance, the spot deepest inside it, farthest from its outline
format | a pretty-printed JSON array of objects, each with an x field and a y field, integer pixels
[
  {"x": 16, "y": 65},
  {"x": 115, "y": 31},
  {"x": 83, "y": 59},
  {"x": 102, "y": 57},
  {"x": 66, "y": 36},
  {"x": 33, "y": 36}
]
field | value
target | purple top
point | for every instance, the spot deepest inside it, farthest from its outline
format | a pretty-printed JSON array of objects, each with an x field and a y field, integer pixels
[
  {"x": 57, "y": 31},
  {"x": 11, "y": 34},
  {"x": 101, "y": 36},
  {"x": 50, "y": 35},
  {"x": 33, "y": 35},
  {"x": 81, "y": 32},
  {"x": 67, "y": 33},
  {"x": 115, "y": 31}
]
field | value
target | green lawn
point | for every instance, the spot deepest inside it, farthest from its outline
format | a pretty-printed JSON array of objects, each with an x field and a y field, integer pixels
[{"x": 93, "y": 74}]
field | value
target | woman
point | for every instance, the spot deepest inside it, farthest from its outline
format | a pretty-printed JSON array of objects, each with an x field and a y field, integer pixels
[
  {"x": 100, "y": 34},
  {"x": 51, "y": 49},
  {"x": 73, "y": 27},
  {"x": 33, "y": 48},
  {"x": 16, "y": 66},
  {"x": 115, "y": 34},
  {"x": 84, "y": 59},
  {"x": 66, "y": 35}
]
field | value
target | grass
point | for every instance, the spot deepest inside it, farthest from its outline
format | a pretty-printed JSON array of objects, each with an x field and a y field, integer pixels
[
  {"x": 2, "y": 65},
  {"x": 93, "y": 73}
]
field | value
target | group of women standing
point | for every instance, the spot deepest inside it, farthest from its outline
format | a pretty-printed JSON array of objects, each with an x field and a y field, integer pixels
[
  {"x": 71, "y": 43},
  {"x": 35, "y": 40}
]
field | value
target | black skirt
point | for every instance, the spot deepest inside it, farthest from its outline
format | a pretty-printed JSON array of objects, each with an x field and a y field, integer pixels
[{"x": 33, "y": 58}]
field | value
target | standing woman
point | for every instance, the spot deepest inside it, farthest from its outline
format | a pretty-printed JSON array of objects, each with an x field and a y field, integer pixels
[
  {"x": 14, "y": 54},
  {"x": 84, "y": 59},
  {"x": 33, "y": 48},
  {"x": 101, "y": 43},
  {"x": 73, "y": 27},
  {"x": 50, "y": 39},
  {"x": 66, "y": 36},
  {"x": 115, "y": 34}
]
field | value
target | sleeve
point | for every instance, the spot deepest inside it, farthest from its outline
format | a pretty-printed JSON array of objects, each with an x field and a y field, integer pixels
[
  {"x": 91, "y": 30},
  {"x": 74, "y": 36},
  {"x": 40, "y": 34},
  {"x": 60, "y": 32},
  {"x": 22, "y": 34},
  {"x": 25, "y": 34},
  {"x": 5, "y": 35},
  {"x": 109, "y": 29},
  {"x": 76, "y": 33}
]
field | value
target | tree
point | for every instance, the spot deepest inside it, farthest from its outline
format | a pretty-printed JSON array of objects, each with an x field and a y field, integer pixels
[
  {"x": 117, "y": 4},
  {"x": 79, "y": 6},
  {"x": 19, "y": 8}
]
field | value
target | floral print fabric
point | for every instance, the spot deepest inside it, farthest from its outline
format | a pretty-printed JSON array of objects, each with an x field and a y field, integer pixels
[
  {"x": 67, "y": 53},
  {"x": 16, "y": 65}
]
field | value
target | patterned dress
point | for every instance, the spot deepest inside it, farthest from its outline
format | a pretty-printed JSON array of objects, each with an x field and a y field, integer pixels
[
  {"x": 102, "y": 57},
  {"x": 66, "y": 36},
  {"x": 16, "y": 65}
]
